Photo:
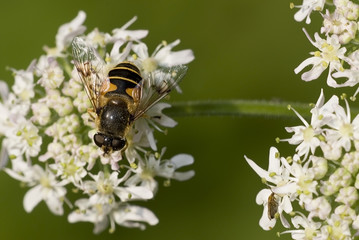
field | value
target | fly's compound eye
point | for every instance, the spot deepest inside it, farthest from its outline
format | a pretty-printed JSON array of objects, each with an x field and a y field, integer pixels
[
  {"x": 99, "y": 139},
  {"x": 109, "y": 142},
  {"x": 118, "y": 143}
]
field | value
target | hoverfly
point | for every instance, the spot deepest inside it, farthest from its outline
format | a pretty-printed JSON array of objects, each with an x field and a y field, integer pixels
[
  {"x": 120, "y": 95},
  {"x": 272, "y": 206}
]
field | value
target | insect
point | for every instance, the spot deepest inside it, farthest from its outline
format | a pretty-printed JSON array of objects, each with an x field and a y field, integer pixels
[
  {"x": 272, "y": 206},
  {"x": 120, "y": 95}
]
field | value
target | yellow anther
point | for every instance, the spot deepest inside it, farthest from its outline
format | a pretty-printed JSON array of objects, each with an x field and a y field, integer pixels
[
  {"x": 133, "y": 165},
  {"x": 317, "y": 53},
  {"x": 264, "y": 181},
  {"x": 325, "y": 45}
]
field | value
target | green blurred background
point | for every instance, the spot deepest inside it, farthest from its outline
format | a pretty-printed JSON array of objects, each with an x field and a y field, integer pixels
[{"x": 243, "y": 49}]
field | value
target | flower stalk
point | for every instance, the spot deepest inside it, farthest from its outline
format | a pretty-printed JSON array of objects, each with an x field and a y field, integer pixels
[{"x": 237, "y": 108}]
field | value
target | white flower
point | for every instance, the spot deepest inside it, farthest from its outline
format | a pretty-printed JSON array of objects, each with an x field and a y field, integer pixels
[
  {"x": 318, "y": 207},
  {"x": 345, "y": 212},
  {"x": 306, "y": 137},
  {"x": 109, "y": 214},
  {"x": 82, "y": 102},
  {"x": 104, "y": 188},
  {"x": 347, "y": 8},
  {"x": 319, "y": 167},
  {"x": 151, "y": 167},
  {"x": 153, "y": 117},
  {"x": 356, "y": 223},
  {"x": 337, "y": 24},
  {"x": 51, "y": 75},
  {"x": 117, "y": 54},
  {"x": 87, "y": 153},
  {"x": 351, "y": 75},
  {"x": 68, "y": 31},
  {"x": 54, "y": 150},
  {"x": 72, "y": 87},
  {"x": 62, "y": 105},
  {"x": 330, "y": 152},
  {"x": 276, "y": 174},
  {"x": 302, "y": 177},
  {"x": 96, "y": 38},
  {"x": 284, "y": 205},
  {"x": 163, "y": 56},
  {"x": 24, "y": 85},
  {"x": 111, "y": 159},
  {"x": 306, "y": 9},
  {"x": 347, "y": 195},
  {"x": 124, "y": 34},
  {"x": 322, "y": 113},
  {"x": 24, "y": 139},
  {"x": 310, "y": 228},
  {"x": 337, "y": 180},
  {"x": 336, "y": 229},
  {"x": 63, "y": 126},
  {"x": 342, "y": 130},
  {"x": 44, "y": 187},
  {"x": 350, "y": 162},
  {"x": 41, "y": 113},
  {"x": 70, "y": 169},
  {"x": 330, "y": 55}
]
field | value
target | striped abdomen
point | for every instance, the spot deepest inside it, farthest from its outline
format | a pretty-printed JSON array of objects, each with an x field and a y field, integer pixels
[{"x": 123, "y": 79}]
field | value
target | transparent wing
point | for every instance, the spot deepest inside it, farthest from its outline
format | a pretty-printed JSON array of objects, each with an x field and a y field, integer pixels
[
  {"x": 90, "y": 68},
  {"x": 156, "y": 85}
]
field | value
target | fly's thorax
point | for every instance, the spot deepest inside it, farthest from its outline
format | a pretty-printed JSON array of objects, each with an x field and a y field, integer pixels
[{"x": 114, "y": 117}]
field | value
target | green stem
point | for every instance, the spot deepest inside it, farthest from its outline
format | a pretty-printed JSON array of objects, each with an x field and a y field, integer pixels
[{"x": 236, "y": 108}]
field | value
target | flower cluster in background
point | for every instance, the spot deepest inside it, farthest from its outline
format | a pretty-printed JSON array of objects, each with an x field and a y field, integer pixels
[
  {"x": 336, "y": 47},
  {"x": 47, "y": 134},
  {"x": 314, "y": 191}
]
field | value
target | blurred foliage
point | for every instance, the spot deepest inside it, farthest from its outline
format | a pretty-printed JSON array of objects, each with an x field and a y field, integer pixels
[{"x": 243, "y": 49}]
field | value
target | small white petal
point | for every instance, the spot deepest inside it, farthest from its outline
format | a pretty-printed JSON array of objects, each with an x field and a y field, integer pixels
[
  {"x": 274, "y": 161},
  {"x": 261, "y": 172},
  {"x": 262, "y": 196},
  {"x": 181, "y": 160},
  {"x": 135, "y": 213},
  {"x": 265, "y": 222},
  {"x": 136, "y": 192},
  {"x": 286, "y": 204},
  {"x": 183, "y": 176},
  {"x": 32, "y": 198}
]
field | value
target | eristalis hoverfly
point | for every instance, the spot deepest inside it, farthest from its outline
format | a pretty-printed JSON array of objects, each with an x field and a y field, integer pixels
[{"x": 120, "y": 95}]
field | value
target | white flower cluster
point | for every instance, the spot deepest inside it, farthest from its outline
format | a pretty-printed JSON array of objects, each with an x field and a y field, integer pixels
[
  {"x": 322, "y": 175},
  {"x": 337, "y": 51},
  {"x": 47, "y": 135}
]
